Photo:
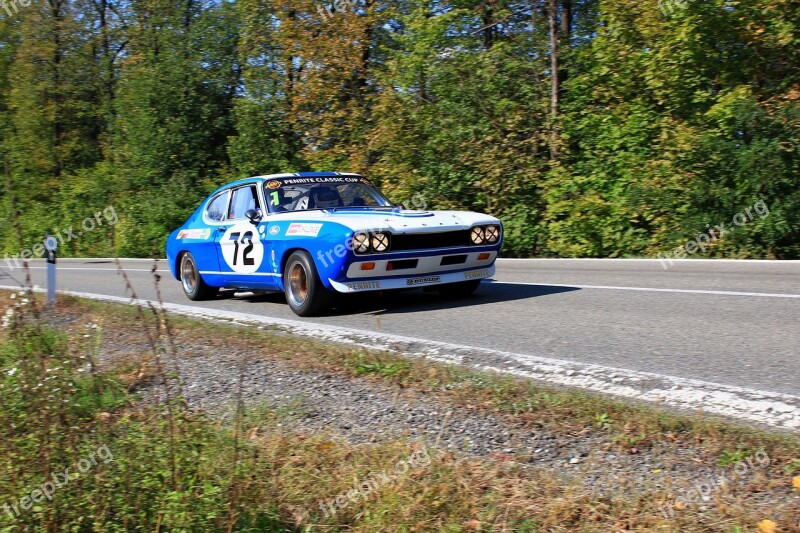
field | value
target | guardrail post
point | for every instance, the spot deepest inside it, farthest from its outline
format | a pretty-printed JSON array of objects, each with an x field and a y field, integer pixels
[{"x": 50, "y": 246}]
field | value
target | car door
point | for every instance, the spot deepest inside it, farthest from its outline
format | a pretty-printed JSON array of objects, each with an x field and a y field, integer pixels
[
  {"x": 204, "y": 236},
  {"x": 241, "y": 247}
]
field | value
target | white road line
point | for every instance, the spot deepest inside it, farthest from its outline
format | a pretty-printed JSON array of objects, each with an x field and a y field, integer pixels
[
  {"x": 654, "y": 260},
  {"x": 764, "y": 407},
  {"x": 112, "y": 269},
  {"x": 650, "y": 289},
  {"x": 98, "y": 259},
  {"x": 570, "y": 286},
  {"x": 765, "y": 262}
]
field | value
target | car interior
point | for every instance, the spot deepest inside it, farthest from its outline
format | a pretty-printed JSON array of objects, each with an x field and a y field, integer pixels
[{"x": 300, "y": 198}]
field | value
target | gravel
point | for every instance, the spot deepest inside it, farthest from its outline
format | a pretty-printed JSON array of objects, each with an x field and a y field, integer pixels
[{"x": 365, "y": 410}]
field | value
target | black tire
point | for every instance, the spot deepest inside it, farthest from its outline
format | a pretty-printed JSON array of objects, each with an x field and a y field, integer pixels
[
  {"x": 460, "y": 289},
  {"x": 305, "y": 293},
  {"x": 194, "y": 287}
]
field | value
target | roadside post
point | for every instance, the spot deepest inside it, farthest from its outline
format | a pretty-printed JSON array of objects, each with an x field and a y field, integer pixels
[{"x": 50, "y": 246}]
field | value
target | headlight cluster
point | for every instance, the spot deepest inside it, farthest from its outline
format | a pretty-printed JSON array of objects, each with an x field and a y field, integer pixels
[
  {"x": 484, "y": 234},
  {"x": 364, "y": 243}
]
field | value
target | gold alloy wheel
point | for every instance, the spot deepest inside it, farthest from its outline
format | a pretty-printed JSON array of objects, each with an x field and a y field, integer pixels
[
  {"x": 188, "y": 275},
  {"x": 298, "y": 284}
]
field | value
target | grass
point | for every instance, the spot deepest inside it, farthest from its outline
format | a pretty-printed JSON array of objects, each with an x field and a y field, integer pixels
[
  {"x": 555, "y": 409},
  {"x": 390, "y": 368},
  {"x": 174, "y": 469}
]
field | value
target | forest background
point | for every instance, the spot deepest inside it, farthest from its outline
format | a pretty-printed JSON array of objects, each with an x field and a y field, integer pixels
[{"x": 592, "y": 128}]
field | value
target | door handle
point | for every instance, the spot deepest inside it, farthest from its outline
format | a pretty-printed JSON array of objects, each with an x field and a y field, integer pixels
[{"x": 221, "y": 229}]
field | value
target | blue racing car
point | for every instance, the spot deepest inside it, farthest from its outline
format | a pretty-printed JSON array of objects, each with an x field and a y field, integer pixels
[{"x": 315, "y": 234}]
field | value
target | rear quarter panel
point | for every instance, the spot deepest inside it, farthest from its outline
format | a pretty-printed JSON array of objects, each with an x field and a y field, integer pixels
[{"x": 199, "y": 239}]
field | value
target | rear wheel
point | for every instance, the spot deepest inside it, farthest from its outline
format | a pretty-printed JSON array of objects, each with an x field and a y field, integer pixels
[
  {"x": 305, "y": 293},
  {"x": 460, "y": 289},
  {"x": 192, "y": 282}
]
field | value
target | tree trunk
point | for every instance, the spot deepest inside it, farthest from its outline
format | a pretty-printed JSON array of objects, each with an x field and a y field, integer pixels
[
  {"x": 565, "y": 40},
  {"x": 555, "y": 86},
  {"x": 566, "y": 21},
  {"x": 57, "y": 13},
  {"x": 487, "y": 18},
  {"x": 292, "y": 73}
]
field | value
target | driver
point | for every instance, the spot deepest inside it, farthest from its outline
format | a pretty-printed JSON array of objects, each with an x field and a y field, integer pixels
[
  {"x": 325, "y": 197},
  {"x": 278, "y": 201}
]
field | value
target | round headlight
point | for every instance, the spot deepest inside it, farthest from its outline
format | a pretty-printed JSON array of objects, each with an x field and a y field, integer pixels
[
  {"x": 361, "y": 243},
  {"x": 492, "y": 234},
  {"x": 476, "y": 235},
  {"x": 380, "y": 242}
]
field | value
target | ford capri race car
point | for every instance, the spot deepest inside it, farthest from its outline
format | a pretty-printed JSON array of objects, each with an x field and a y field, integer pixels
[{"x": 315, "y": 234}]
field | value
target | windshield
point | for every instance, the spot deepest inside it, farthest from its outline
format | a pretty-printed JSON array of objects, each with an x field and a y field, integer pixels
[{"x": 300, "y": 194}]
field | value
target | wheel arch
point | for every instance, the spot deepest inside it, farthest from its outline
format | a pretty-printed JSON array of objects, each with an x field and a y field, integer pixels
[
  {"x": 285, "y": 259},
  {"x": 287, "y": 253},
  {"x": 177, "y": 265}
]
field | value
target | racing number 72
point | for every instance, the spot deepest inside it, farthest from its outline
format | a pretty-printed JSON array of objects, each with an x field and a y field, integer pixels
[{"x": 247, "y": 239}]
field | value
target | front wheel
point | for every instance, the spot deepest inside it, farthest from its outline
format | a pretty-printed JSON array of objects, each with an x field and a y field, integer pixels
[
  {"x": 460, "y": 289},
  {"x": 305, "y": 293},
  {"x": 192, "y": 282}
]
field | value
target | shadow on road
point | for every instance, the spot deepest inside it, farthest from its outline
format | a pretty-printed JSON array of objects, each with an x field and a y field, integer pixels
[{"x": 417, "y": 300}]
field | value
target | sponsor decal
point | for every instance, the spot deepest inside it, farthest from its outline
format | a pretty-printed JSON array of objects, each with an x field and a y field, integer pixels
[
  {"x": 194, "y": 234},
  {"x": 423, "y": 281},
  {"x": 242, "y": 249},
  {"x": 476, "y": 274},
  {"x": 305, "y": 230},
  {"x": 274, "y": 230},
  {"x": 364, "y": 285},
  {"x": 307, "y": 181}
]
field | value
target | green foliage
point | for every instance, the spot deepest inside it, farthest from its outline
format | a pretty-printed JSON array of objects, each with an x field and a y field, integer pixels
[
  {"x": 731, "y": 457},
  {"x": 793, "y": 467},
  {"x": 384, "y": 368},
  {"x": 603, "y": 421},
  {"x": 666, "y": 126},
  {"x": 129, "y": 468}
]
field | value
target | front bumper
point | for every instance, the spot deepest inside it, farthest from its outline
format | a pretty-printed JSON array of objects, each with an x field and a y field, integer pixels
[{"x": 411, "y": 282}]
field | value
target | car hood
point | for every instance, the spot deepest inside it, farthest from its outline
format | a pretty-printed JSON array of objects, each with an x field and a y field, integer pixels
[{"x": 396, "y": 221}]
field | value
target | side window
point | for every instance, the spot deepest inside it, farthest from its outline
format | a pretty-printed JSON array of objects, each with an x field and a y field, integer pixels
[
  {"x": 216, "y": 207},
  {"x": 244, "y": 198}
]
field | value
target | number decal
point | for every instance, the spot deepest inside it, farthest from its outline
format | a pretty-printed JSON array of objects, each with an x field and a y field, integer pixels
[
  {"x": 275, "y": 197},
  {"x": 248, "y": 238},
  {"x": 235, "y": 238},
  {"x": 242, "y": 249}
]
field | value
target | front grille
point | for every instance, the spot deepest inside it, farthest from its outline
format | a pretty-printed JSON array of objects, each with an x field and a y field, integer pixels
[{"x": 427, "y": 241}]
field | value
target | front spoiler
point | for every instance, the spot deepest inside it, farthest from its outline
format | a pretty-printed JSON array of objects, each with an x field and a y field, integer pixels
[{"x": 425, "y": 280}]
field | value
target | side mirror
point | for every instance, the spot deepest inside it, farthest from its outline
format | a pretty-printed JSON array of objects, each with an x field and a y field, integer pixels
[{"x": 253, "y": 216}]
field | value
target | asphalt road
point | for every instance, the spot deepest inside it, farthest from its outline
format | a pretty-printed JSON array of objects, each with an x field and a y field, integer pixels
[{"x": 728, "y": 322}]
